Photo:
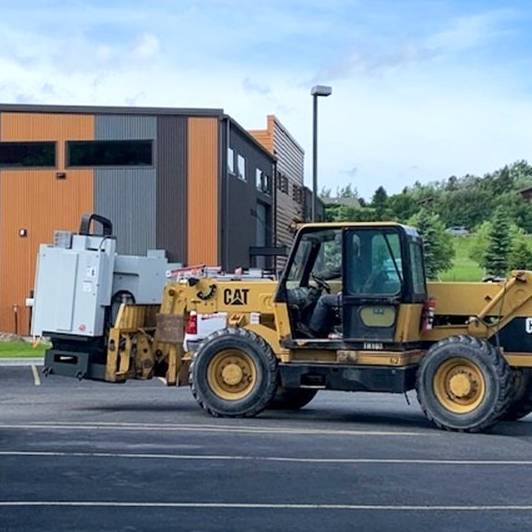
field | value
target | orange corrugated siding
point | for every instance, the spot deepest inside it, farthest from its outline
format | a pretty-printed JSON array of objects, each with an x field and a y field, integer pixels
[
  {"x": 37, "y": 201},
  {"x": 265, "y": 136},
  {"x": 202, "y": 191}
]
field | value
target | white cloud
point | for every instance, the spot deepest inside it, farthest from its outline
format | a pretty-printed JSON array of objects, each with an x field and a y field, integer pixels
[
  {"x": 147, "y": 46},
  {"x": 251, "y": 85},
  {"x": 401, "y": 110}
]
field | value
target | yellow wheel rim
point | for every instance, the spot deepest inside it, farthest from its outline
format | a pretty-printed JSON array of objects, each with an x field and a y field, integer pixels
[
  {"x": 459, "y": 385},
  {"x": 231, "y": 374}
]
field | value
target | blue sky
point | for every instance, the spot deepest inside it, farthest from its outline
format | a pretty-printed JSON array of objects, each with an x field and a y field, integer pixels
[{"x": 422, "y": 89}]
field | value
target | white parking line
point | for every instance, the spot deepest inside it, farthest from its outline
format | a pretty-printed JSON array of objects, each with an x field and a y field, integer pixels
[
  {"x": 36, "y": 378},
  {"x": 273, "y": 506},
  {"x": 262, "y": 430},
  {"x": 23, "y": 361},
  {"x": 214, "y": 457}
]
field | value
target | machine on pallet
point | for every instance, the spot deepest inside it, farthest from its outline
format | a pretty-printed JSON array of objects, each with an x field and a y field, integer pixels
[{"x": 80, "y": 284}]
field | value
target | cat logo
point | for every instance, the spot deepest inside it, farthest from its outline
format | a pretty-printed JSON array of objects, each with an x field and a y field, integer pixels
[{"x": 237, "y": 296}]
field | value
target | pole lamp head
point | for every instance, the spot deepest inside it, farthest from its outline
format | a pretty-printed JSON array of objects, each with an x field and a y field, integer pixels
[{"x": 321, "y": 90}]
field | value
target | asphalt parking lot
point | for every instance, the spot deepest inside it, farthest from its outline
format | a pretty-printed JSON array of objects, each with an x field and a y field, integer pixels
[{"x": 141, "y": 456}]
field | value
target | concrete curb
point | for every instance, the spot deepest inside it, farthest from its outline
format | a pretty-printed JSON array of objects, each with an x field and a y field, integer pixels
[{"x": 23, "y": 361}]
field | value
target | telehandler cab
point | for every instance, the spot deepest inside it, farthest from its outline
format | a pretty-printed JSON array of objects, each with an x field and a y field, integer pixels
[{"x": 352, "y": 311}]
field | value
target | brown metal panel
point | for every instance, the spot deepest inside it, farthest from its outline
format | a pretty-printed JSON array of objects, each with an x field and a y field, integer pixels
[
  {"x": 35, "y": 200},
  {"x": 202, "y": 191}
]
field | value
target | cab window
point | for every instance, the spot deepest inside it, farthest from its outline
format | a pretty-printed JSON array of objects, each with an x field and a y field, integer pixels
[
  {"x": 418, "y": 273},
  {"x": 319, "y": 254},
  {"x": 375, "y": 265}
]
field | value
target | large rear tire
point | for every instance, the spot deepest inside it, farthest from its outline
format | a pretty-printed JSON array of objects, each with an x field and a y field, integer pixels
[
  {"x": 291, "y": 398},
  {"x": 464, "y": 384},
  {"x": 521, "y": 402},
  {"x": 234, "y": 373}
]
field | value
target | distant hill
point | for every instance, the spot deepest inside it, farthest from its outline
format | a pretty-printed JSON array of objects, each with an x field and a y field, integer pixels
[{"x": 466, "y": 201}]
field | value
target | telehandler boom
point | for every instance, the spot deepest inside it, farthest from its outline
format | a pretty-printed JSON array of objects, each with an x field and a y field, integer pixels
[{"x": 352, "y": 311}]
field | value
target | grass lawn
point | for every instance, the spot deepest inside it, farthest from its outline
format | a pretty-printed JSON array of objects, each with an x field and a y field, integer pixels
[
  {"x": 464, "y": 269},
  {"x": 19, "y": 348}
]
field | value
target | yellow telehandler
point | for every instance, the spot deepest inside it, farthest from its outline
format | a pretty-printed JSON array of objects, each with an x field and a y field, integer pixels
[{"x": 352, "y": 311}]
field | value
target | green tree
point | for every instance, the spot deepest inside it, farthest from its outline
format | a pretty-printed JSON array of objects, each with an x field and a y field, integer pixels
[
  {"x": 344, "y": 213},
  {"x": 379, "y": 202},
  {"x": 347, "y": 191},
  {"x": 520, "y": 255},
  {"x": 495, "y": 259},
  {"x": 479, "y": 242},
  {"x": 402, "y": 206},
  {"x": 325, "y": 193},
  {"x": 437, "y": 243}
]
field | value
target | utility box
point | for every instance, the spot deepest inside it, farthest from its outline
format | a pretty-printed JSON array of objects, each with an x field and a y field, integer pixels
[
  {"x": 81, "y": 281},
  {"x": 74, "y": 286}
]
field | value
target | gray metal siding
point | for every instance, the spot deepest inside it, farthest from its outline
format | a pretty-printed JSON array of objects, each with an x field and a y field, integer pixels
[
  {"x": 172, "y": 187},
  {"x": 117, "y": 127},
  {"x": 128, "y": 196}
]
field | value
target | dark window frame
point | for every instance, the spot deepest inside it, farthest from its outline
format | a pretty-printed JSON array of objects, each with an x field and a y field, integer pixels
[
  {"x": 283, "y": 184},
  {"x": 53, "y": 143},
  {"x": 69, "y": 143},
  {"x": 263, "y": 182}
]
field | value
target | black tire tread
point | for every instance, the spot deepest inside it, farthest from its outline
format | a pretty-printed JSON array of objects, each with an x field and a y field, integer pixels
[
  {"x": 291, "y": 398},
  {"x": 520, "y": 402},
  {"x": 271, "y": 366},
  {"x": 503, "y": 374}
]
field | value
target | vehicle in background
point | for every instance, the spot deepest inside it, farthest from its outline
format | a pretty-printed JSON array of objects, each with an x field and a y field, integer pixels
[{"x": 458, "y": 230}]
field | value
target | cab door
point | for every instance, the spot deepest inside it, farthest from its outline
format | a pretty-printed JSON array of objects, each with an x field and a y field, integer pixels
[{"x": 373, "y": 283}]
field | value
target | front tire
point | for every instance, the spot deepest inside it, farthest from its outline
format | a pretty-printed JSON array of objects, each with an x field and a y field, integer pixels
[
  {"x": 234, "y": 373},
  {"x": 464, "y": 384}
]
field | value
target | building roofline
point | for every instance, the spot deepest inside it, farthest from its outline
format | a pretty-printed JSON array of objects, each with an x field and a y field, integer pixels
[
  {"x": 124, "y": 110},
  {"x": 251, "y": 138},
  {"x": 282, "y": 127},
  {"x": 285, "y": 130},
  {"x": 111, "y": 110}
]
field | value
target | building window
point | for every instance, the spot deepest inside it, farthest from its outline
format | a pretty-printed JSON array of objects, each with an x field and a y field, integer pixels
[
  {"x": 263, "y": 181},
  {"x": 282, "y": 183},
  {"x": 297, "y": 193},
  {"x": 230, "y": 160},
  {"x": 267, "y": 184},
  {"x": 110, "y": 153},
  {"x": 241, "y": 167},
  {"x": 27, "y": 154}
]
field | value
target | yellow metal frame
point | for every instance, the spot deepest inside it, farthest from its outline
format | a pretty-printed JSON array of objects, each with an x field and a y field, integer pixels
[{"x": 139, "y": 345}]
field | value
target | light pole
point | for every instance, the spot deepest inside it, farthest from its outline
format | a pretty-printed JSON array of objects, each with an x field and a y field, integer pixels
[{"x": 316, "y": 91}]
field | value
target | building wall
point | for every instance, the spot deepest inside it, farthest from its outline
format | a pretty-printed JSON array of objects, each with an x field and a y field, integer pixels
[
  {"x": 290, "y": 166},
  {"x": 202, "y": 191},
  {"x": 37, "y": 201},
  {"x": 241, "y": 199},
  {"x": 184, "y": 203},
  {"x": 172, "y": 212},
  {"x": 127, "y": 196}
]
